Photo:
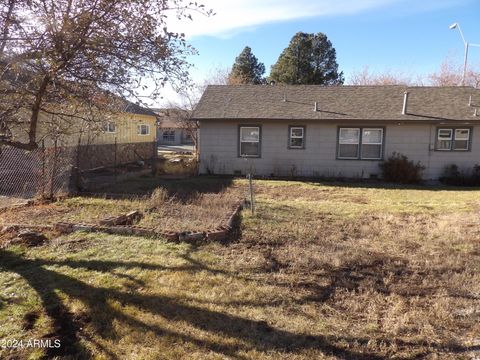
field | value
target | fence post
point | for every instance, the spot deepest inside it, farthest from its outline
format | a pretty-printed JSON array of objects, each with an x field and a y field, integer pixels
[
  {"x": 115, "y": 159},
  {"x": 44, "y": 177},
  {"x": 154, "y": 157},
  {"x": 54, "y": 169},
  {"x": 78, "y": 184}
]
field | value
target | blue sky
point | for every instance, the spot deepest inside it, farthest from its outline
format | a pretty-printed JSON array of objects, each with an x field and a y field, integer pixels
[{"x": 408, "y": 36}]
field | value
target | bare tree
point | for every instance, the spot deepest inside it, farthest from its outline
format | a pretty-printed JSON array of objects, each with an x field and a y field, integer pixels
[
  {"x": 451, "y": 74},
  {"x": 216, "y": 76},
  {"x": 66, "y": 58},
  {"x": 365, "y": 77},
  {"x": 180, "y": 112}
]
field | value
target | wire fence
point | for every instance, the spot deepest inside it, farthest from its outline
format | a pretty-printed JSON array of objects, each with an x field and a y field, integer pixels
[{"x": 55, "y": 169}]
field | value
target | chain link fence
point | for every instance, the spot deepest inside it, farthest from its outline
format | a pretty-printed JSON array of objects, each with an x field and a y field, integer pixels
[
  {"x": 40, "y": 173},
  {"x": 55, "y": 169}
]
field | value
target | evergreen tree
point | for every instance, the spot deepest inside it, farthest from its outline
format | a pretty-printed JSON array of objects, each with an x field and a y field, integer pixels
[
  {"x": 308, "y": 59},
  {"x": 246, "y": 69}
]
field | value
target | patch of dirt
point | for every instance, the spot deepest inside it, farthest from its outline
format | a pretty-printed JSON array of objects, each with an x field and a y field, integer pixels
[
  {"x": 38, "y": 214},
  {"x": 14, "y": 235},
  {"x": 28, "y": 238},
  {"x": 7, "y": 234},
  {"x": 72, "y": 245}
]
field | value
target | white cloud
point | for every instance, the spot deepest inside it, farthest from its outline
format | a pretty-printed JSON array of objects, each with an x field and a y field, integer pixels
[
  {"x": 234, "y": 16},
  {"x": 240, "y": 15}
]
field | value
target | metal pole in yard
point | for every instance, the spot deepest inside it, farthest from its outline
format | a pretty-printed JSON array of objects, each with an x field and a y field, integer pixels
[{"x": 252, "y": 199}]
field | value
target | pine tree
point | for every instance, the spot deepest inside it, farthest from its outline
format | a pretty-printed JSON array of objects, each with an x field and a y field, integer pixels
[
  {"x": 246, "y": 69},
  {"x": 308, "y": 59}
]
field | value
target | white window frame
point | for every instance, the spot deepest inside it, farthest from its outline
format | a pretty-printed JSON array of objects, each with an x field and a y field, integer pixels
[
  {"x": 108, "y": 129},
  {"x": 453, "y": 138},
  {"x": 450, "y": 130},
  {"x": 454, "y": 147},
  {"x": 291, "y": 136},
  {"x": 139, "y": 129},
  {"x": 371, "y": 143},
  {"x": 257, "y": 141},
  {"x": 360, "y": 143},
  {"x": 349, "y": 143}
]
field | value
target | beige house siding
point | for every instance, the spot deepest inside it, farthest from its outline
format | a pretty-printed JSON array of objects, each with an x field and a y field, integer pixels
[
  {"x": 97, "y": 147},
  {"x": 219, "y": 149},
  {"x": 71, "y": 129},
  {"x": 126, "y": 130}
]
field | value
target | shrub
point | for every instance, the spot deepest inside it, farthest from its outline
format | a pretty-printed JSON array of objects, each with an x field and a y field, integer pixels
[
  {"x": 397, "y": 168},
  {"x": 159, "y": 197},
  {"x": 453, "y": 176}
]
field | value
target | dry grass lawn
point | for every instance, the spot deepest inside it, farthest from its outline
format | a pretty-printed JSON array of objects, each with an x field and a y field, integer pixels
[
  {"x": 180, "y": 205},
  {"x": 321, "y": 271}
]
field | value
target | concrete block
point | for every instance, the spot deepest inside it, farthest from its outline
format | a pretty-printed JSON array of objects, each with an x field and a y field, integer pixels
[
  {"x": 171, "y": 236},
  {"x": 216, "y": 235},
  {"x": 189, "y": 236}
]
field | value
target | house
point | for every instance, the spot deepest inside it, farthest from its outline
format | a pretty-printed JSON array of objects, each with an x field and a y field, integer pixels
[
  {"x": 102, "y": 139},
  {"x": 127, "y": 136},
  {"x": 338, "y": 131},
  {"x": 67, "y": 143},
  {"x": 171, "y": 129}
]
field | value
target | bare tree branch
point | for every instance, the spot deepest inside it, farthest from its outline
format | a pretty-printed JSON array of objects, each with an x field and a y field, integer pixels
[{"x": 87, "y": 53}]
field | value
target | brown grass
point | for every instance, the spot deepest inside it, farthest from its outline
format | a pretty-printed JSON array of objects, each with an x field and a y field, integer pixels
[
  {"x": 397, "y": 277},
  {"x": 197, "y": 212},
  {"x": 321, "y": 271},
  {"x": 168, "y": 208}
]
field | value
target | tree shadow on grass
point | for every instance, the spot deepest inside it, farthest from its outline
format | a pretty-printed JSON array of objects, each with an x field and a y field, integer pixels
[{"x": 252, "y": 334}]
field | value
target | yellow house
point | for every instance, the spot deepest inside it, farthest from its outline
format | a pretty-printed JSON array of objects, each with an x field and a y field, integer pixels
[
  {"x": 135, "y": 125},
  {"x": 108, "y": 139},
  {"x": 129, "y": 136},
  {"x": 71, "y": 145}
]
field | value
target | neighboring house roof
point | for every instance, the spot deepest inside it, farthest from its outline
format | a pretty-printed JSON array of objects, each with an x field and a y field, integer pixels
[
  {"x": 297, "y": 102},
  {"x": 137, "y": 109}
]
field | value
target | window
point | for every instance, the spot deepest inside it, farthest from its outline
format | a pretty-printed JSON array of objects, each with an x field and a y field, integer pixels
[
  {"x": 360, "y": 143},
  {"x": 110, "y": 127},
  {"x": 462, "y": 139},
  {"x": 453, "y": 139},
  {"x": 249, "y": 141},
  {"x": 372, "y": 144},
  {"x": 168, "y": 135},
  {"x": 348, "y": 143},
  {"x": 444, "y": 139},
  {"x": 143, "y": 129},
  {"x": 296, "y": 137}
]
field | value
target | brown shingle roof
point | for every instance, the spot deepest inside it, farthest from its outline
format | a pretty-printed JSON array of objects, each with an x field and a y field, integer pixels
[
  {"x": 338, "y": 103},
  {"x": 133, "y": 108}
]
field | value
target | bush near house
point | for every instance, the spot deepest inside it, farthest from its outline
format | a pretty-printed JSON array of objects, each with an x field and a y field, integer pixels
[
  {"x": 452, "y": 175},
  {"x": 398, "y": 169}
]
